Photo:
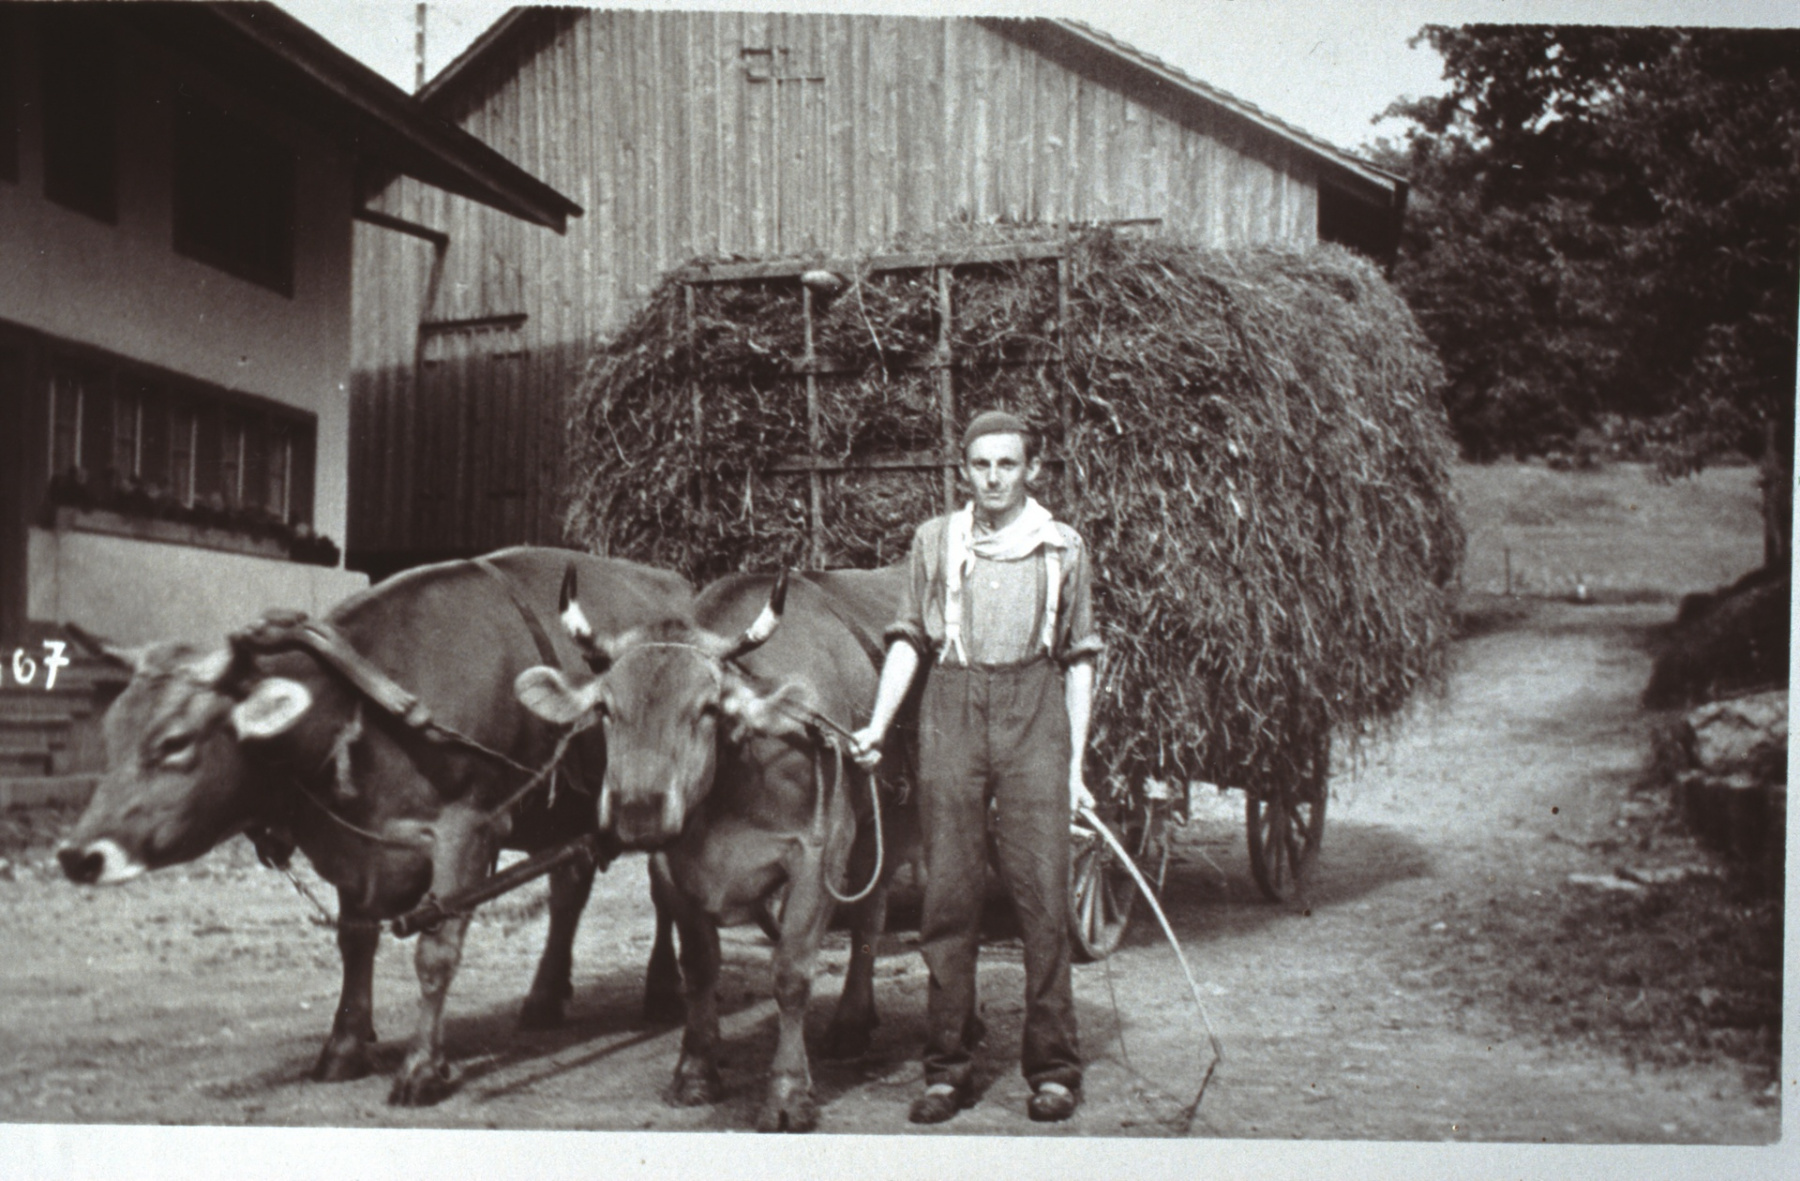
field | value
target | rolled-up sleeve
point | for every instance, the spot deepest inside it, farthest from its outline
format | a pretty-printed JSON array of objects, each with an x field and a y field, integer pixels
[
  {"x": 1080, "y": 635},
  {"x": 909, "y": 614}
]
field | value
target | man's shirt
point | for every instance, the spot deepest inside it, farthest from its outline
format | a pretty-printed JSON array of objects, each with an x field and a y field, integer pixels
[{"x": 1003, "y": 602}]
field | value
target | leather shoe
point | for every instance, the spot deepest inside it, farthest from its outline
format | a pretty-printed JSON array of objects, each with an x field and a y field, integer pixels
[
  {"x": 939, "y": 1102},
  {"x": 1052, "y": 1103}
]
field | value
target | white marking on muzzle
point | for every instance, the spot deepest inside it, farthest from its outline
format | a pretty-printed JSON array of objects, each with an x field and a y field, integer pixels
[
  {"x": 605, "y": 816},
  {"x": 116, "y": 865}
]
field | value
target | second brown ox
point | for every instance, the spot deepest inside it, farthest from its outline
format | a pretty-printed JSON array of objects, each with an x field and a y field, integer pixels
[{"x": 719, "y": 759}]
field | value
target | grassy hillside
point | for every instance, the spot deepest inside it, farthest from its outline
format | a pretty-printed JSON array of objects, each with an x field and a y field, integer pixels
[{"x": 1619, "y": 531}]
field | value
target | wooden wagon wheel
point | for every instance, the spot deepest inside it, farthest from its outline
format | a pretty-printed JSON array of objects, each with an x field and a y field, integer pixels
[
  {"x": 1286, "y": 828},
  {"x": 1101, "y": 895}
]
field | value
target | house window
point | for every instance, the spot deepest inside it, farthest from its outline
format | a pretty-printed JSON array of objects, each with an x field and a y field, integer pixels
[
  {"x": 68, "y": 393},
  {"x": 137, "y": 441},
  {"x": 234, "y": 196},
  {"x": 81, "y": 112}
]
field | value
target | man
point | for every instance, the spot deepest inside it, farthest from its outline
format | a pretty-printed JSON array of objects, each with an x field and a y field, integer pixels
[{"x": 998, "y": 604}]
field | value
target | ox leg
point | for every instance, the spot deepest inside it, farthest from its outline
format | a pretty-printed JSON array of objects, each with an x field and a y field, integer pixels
[
  {"x": 347, "y": 1053},
  {"x": 788, "y": 1105},
  {"x": 462, "y": 854},
  {"x": 662, "y": 979},
  {"x": 552, "y": 987},
  {"x": 853, "y": 1023},
  {"x": 697, "y": 1072}
]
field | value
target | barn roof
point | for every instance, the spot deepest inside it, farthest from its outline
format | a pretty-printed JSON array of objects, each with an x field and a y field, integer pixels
[
  {"x": 275, "y": 56},
  {"x": 1131, "y": 68},
  {"x": 1071, "y": 42}
]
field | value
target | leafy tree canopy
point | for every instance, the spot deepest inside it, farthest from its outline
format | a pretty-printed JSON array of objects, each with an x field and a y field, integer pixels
[{"x": 1604, "y": 223}]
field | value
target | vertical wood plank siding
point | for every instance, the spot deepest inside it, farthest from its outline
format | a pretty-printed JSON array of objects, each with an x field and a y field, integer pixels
[{"x": 866, "y": 128}]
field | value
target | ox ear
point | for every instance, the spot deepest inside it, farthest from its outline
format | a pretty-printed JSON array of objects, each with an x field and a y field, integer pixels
[
  {"x": 271, "y": 709},
  {"x": 548, "y": 694},
  {"x": 785, "y": 713}
]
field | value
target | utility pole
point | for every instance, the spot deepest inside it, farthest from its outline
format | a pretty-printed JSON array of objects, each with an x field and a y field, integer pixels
[{"x": 419, "y": 51}]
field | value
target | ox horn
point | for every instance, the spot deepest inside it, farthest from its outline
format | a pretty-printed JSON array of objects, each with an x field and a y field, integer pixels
[
  {"x": 568, "y": 609},
  {"x": 575, "y": 622},
  {"x": 131, "y": 658},
  {"x": 764, "y": 625}
]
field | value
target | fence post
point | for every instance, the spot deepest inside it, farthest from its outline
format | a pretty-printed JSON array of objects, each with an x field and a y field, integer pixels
[
  {"x": 1062, "y": 379},
  {"x": 698, "y": 437},
  {"x": 815, "y": 438},
  {"x": 946, "y": 386}
]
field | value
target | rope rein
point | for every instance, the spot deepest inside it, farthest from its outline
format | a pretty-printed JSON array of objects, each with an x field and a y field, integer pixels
[
  {"x": 537, "y": 777},
  {"x": 373, "y": 685},
  {"x": 837, "y": 750}
]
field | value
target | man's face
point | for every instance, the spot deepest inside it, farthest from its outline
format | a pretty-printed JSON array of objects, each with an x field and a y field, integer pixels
[{"x": 996, "y": 467}]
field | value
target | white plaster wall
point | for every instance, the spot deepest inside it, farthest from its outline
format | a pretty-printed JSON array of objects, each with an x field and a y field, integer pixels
[
  {"x": 123, "y": 288},
  {"x": 172, "y": 592}
]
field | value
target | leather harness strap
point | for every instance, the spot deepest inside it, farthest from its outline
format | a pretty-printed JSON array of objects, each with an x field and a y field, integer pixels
[
  {"x": 546, "y": 652},
  {"x": 281, "y": 629}
]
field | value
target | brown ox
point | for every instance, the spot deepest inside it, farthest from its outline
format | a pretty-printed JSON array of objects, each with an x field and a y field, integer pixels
[
  {"x": 202, "y": 745},
  {"x": 716, "y": 760}
]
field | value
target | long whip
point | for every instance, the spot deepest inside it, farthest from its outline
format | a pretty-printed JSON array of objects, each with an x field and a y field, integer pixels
[{"x": 1086, "y": 813}]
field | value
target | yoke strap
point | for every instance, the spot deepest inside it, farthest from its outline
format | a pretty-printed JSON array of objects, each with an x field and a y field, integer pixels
[{"x": 546, "y": 650}]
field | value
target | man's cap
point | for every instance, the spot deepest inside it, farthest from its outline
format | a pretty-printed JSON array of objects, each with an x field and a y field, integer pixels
[{"x": 994, "y": 422}]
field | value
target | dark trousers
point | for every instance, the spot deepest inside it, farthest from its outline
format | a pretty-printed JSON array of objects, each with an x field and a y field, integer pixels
[{"x": 1000, "y": 735}]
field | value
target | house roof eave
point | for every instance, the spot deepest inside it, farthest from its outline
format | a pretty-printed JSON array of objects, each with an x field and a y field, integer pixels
[{"x": 274, "y": 54}]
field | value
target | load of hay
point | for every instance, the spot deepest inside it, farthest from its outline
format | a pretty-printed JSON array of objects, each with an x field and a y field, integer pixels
[{"x": 1250, "y": 441}]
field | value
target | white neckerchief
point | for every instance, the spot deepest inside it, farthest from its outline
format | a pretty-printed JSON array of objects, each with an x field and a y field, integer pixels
[{"x": 1032, "y": 528}]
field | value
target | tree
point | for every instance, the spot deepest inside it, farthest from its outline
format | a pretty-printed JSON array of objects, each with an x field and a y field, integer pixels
[{"x": 1607, "y": 221}]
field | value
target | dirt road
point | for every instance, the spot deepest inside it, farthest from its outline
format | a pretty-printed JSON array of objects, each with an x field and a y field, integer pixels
[{"x": 200, "y": 995}]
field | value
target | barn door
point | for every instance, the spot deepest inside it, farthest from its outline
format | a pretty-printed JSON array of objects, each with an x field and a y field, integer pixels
[
  {"x": 13, "y": 485},
  {"x": 474, "y": 446}
]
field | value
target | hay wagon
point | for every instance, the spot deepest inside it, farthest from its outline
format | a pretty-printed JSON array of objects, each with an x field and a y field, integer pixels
[{"x": 1250, "y": 442}]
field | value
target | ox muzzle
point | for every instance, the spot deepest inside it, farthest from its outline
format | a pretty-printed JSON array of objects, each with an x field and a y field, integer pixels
[
  {"x": 98, "y": 863},
  {"x": 643, "y": 823}
]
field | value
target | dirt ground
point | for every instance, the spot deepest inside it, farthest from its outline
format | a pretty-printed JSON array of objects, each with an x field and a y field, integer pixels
[{"x": 1379, "y": 1010}]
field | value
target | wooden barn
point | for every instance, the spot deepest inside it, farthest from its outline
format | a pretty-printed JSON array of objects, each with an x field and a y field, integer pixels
[{"x": 722, "y": 135}]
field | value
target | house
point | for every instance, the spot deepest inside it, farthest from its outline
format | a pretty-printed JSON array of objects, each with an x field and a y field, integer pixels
[
  {"x": 690, "y": 134},
  {"x": 178, "y": 189}
]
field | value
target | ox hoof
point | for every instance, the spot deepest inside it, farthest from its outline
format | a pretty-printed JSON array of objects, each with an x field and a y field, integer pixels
[
  {"x": 695, "y": 1088},
  {"x": 663, "y": 1008},
  {"x": 541, "y": 1013},
  {"x": 789, "y": 1107},
  {"x": 845, "y": 1040},
  {"x": 423, "y": 1083},
  {"x": 344, "y": 1059}
]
